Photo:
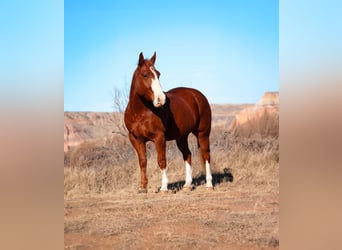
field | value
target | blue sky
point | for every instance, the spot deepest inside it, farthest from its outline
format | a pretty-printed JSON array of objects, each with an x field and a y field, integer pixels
[{"x": 226, "y": 49}]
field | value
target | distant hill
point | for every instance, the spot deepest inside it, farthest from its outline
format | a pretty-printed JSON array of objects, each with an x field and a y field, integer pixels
[
  {"x": 84, "y": 126},
  {"x": 223, "y": 114},
  {"x": 245, "y": 120},
  {"x": 260, "y": 120}
]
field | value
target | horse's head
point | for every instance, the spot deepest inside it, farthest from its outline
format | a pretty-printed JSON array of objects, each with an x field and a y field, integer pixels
[{"x": 146, "y": 81}]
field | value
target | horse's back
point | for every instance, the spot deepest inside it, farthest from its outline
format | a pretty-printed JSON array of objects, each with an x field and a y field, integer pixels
[
  {"x": 190, "y": 97},
  {"x": 190, "y": 109}
]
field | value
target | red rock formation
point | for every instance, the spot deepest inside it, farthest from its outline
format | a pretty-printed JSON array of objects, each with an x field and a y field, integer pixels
[{"x": 260, "y": 120}]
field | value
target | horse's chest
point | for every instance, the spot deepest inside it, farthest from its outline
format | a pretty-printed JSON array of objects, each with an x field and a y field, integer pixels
[{"x": 146, "y": 126}]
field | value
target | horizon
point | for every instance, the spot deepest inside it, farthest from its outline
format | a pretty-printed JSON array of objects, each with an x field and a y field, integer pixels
[
  {"x": 211, "y": 104},
  {"x": 227, "y": 50}
]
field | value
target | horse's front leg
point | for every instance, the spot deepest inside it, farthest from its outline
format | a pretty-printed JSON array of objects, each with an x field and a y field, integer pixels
[
  {"x": 160, "y": 147},
  {"x": 140, "y": 148}
]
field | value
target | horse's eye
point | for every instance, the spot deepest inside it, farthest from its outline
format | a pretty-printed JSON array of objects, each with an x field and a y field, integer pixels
[{"x": 145, "y": 75}]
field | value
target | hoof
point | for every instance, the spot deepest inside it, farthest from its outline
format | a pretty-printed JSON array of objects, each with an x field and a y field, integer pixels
[
  {"x": 209, "y": 189},
  {"x": 142, "y": 191},
  {"x": 164, "y": 191}
]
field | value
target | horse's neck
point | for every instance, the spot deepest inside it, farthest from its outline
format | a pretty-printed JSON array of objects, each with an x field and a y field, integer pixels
[{"x": 136, "y": 103}]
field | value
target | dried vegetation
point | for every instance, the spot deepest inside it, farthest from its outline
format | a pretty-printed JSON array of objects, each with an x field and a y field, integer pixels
[{"x": 103, "y": 210}]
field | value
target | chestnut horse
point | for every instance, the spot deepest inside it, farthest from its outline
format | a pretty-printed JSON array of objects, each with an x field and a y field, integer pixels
[{"x": 152, "y": 115}]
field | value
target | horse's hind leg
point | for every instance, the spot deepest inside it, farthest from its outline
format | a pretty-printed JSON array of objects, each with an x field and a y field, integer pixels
[
  {"x": 183, "y": 146},
  {"x": 203, "y": 141}
]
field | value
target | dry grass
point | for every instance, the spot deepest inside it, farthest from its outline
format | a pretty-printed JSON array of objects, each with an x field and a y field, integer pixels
[
  {"x": 111, "y": 165},
  {"x": 103, "y": 210}
]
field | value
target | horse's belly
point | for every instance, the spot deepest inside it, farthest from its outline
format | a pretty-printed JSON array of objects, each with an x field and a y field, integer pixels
[{"x": 177, "y": 128}]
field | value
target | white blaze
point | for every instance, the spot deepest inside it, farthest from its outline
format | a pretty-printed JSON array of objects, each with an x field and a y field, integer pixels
[
  {"x": 188, "y": 177},
  {"x": 159, "y": 96},
  {"x": 165, "y": 181},
  {"x": 208, "y": 174}
]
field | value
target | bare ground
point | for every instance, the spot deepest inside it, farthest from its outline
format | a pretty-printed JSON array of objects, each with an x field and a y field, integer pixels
[
  {"x": 102, "y": 209},
  {"x": 225, "y": 218}
]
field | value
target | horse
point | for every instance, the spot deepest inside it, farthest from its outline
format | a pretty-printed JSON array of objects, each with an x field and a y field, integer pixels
[{"x": 157, "y": 116}]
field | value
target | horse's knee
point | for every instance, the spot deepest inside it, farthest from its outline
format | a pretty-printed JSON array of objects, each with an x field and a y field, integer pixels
[{"x": 142, "y": 162}]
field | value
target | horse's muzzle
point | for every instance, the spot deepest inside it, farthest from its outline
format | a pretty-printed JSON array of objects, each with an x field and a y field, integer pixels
[{"x": 159, "y": 100}]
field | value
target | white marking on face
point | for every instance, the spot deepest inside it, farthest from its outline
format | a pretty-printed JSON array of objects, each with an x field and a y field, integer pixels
[
  {"x": 188, "y": 177},
  {"x": 159, "y": 96},
  {"x": 165, "y": 181},
  {"x": 208, "y": 174}
]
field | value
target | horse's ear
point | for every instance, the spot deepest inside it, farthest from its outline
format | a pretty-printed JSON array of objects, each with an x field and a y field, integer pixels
[
  {"x": 153, "y": 58},
  {"x": 141, "y": 59}
]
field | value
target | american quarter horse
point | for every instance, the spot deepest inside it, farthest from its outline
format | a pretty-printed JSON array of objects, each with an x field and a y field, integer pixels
[{"x": 152, "y": 115}]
